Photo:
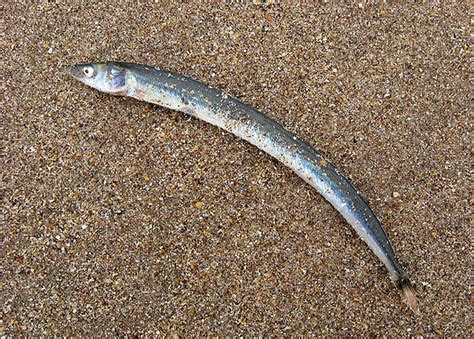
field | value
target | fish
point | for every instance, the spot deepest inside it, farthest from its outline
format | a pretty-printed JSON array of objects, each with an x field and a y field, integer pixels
[{"x": 181, "y": 93}]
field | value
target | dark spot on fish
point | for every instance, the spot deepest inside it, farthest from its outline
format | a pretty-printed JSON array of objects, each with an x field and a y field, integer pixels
[{"x": 184, "y": 101}]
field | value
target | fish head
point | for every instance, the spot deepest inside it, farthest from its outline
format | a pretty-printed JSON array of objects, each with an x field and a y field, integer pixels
[{"x": 106, "y": 77}]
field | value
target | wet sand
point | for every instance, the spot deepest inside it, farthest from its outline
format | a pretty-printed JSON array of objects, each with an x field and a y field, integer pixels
[{"x": 121, "y": 218}]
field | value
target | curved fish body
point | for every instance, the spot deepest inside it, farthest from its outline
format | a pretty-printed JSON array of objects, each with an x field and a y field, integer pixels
[{"x": 183, "y": 94}]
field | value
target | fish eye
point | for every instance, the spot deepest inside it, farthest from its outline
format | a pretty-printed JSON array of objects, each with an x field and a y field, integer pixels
[{"x": 88, "y": 71}]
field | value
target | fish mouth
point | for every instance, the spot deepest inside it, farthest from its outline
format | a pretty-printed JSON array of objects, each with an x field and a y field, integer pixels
[{"x": 73, "y": 71}]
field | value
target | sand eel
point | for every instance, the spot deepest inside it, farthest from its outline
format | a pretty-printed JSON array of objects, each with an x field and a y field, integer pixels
[{"x": 181, "y": 93}]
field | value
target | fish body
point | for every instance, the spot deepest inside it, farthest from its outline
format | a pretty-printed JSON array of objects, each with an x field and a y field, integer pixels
[{"x": 181, "y": 93}]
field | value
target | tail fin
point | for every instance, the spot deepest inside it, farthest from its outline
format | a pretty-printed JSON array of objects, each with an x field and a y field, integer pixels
[{"x": 409, "y": 296}]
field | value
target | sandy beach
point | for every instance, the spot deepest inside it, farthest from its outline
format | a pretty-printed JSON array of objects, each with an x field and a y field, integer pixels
[{"x": 124, "y": 218}]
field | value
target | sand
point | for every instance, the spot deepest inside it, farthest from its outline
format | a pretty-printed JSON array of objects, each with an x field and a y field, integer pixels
[{"x": 122, "y": 218}]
